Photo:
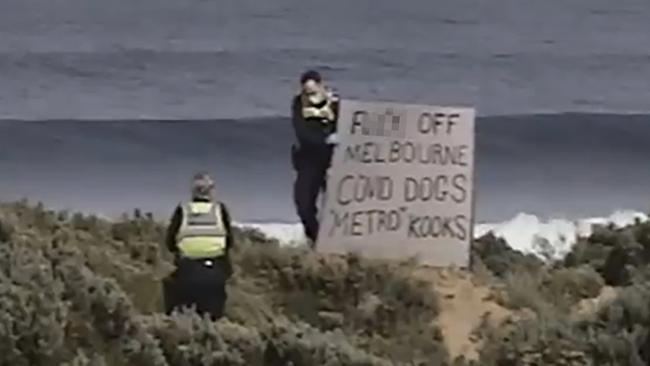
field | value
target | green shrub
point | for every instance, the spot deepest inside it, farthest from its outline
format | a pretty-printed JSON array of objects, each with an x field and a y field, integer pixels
[
  {"x": 79, "y": 290},
  {"x": 618, "y": 334},
  {"x": 32, "y": 323},
  {"x": 393, "y": 311},
  {"x": 566, "y": 286},
  {"x": 500, "y": 258},
  {"x": 539, "y": 341},
  {"x": 522, "y": 291}
]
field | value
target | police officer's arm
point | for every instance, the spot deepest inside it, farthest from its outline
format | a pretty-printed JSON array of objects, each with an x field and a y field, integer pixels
[
  {"x": 305, "y": 135},
  {"x": 225, "y": 214},
  {"x": 336, "y": 107},
  {"x": 172, "y": 229},
  {"x": 230, "y": 241}
]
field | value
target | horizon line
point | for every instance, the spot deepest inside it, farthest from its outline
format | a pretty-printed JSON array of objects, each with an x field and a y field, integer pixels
[{"x": 268, "y": 117}]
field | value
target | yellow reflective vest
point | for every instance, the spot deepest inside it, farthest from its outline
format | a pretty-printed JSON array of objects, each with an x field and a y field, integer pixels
[
  {"x": 322, "y": 109},
  {"x": 202, "y": 233}
]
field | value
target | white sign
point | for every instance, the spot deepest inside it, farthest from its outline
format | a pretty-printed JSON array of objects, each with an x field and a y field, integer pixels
[{"x": 401, "y": 183}]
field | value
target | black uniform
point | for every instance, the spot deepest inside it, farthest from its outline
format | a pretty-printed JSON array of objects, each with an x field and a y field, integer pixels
[
  {"x": 311, "y": 158},
  {"x": 198, "y": 282}
]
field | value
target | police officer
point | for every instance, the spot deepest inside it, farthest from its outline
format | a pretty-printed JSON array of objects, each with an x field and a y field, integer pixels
[
  {"x": 314, "y": 115},
  {"x": 200, "y": 236}
]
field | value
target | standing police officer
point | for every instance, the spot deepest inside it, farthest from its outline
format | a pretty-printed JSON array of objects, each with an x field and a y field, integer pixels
[
  {"x": 314, "y": 116},
  {"x": 200, "y": 236}
]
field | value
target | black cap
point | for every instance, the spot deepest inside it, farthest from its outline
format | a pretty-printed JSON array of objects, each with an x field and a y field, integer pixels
[{"x": 310, "y": 75}]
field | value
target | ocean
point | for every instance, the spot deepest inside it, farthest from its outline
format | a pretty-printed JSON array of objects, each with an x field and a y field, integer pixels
[{"x": 107, "y": 106}]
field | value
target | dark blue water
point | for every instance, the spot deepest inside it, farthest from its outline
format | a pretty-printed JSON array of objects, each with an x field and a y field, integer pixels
[
  {"x": 189, "y": 59},
  {"x": 196, "y": 61},
  {"x": 570, "y": 165}
]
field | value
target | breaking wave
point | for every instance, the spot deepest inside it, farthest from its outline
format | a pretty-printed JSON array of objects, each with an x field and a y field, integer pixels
[{"x": 527, "y": 233}]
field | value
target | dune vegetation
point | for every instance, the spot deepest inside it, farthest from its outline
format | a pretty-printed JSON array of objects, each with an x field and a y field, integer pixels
[{"x": 79, "y": 290}]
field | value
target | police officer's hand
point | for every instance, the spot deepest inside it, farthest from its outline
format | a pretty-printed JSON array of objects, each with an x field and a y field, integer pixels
[
  {"x": 333, "y": 95},
  {"x": 332, "y": 139}
]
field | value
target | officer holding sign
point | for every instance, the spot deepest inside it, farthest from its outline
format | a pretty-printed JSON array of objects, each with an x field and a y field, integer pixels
[{"x": 314, "y": 115}]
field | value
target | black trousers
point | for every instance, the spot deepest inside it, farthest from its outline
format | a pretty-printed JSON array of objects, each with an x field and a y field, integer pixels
[
  {"x": 311, "y": 176},
  {"x": 198, "y": 284}
]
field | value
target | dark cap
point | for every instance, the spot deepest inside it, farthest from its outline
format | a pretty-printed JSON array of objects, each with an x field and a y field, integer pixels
[{"x": 310, "y": 75}]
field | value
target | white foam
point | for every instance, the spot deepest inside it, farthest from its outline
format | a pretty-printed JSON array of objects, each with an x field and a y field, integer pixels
[
  {"x": 286, "y": 234},
  {"x": 525, "y": 232},
  {"x": 553, "y": 238}
]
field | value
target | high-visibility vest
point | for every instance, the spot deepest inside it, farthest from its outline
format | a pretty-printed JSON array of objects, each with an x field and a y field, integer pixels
[
  {"x": 323, "y": 111},
  {"x": 202, "y": 233}
]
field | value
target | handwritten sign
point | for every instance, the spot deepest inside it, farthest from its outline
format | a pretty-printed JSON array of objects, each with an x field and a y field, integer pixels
[{"x": 401, "y": 183}]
